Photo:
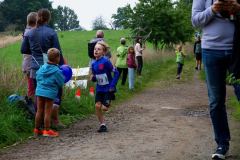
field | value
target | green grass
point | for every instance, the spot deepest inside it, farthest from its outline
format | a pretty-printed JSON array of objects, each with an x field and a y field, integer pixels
[
  {"x": 14, "y": 125},
  {"x": 235, "y": 105},
  {"x": 73, "y": 44}
]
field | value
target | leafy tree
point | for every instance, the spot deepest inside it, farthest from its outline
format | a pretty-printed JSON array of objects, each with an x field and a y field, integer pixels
[
  {"x": 99, "y": 23},
  {"x": 65, "y": 19},
  {"x": 163, "y": 21},
  {"x": 14, "y": 12},
  {"x": 122, "y": 17}
]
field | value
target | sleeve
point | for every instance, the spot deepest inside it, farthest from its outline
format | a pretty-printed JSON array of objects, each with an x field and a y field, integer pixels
[
  {"x": 201, "y": 15},
  {"x": 56, "y": 44},
  {"x": 25, "y": 47},
  {"x": 94, "y": 79},
  {"x": 59, "y": 79},
  {"x": 118, "y": 52},
  {"x": 194, "y": 47},
  {"x": 115, "y": 74}
]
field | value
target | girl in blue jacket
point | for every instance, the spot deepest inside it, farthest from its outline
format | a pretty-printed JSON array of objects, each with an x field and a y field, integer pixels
[
  {"x": 49, "y": 80},
  {"x": 102, "y": 70}
]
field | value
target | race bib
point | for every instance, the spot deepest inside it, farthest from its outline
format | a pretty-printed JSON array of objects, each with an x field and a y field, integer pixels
[{"x": 102, "y": 79}]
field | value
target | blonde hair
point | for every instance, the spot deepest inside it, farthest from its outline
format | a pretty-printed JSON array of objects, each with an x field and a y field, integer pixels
[
  {"x": 32, "y": 19},
  {"x": 104, "y": 45},
  {"x": 53, "y": 54},
  {"x": 179, "y": 47}
]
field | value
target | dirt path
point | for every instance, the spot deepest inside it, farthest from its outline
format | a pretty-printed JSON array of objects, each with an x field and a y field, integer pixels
[
  {"x": 158, "y": 124},
  {"x": 6, "y": 40}
]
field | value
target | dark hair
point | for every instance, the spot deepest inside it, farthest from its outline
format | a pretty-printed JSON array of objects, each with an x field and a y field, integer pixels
[
  {"x": 44, "y": 16},
  {"x": 138, "y": 41}
]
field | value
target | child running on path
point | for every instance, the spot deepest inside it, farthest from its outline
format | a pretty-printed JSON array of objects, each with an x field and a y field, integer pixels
[
  {"x": 180, "y": 61},
  {"x": 49, "y": 80},
  {"x": 106, "y": 84},
  {"x": 131, "y": 66}
]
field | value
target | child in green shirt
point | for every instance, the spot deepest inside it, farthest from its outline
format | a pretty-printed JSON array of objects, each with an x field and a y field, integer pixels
[{"x": 180, "y": 60}]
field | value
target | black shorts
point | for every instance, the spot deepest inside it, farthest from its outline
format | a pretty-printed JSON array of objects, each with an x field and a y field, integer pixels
[
  {"x": 198, "y": 56},
  {"x": 104, "y": 97}
]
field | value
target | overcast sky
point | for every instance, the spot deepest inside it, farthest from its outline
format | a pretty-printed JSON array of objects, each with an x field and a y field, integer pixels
[{"x": 88, "y": 10}]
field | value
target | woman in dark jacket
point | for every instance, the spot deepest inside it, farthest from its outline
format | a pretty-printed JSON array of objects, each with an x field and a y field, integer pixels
[{"x": 38, "y": 41}]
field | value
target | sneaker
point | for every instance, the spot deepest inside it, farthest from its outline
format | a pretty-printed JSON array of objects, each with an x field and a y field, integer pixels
[
  {"x": 37, "y": 132},
  {"x": 220, "y": 153},
  {"x": 178, "y": 77},
  {"x": 196, "y": 68},
  {"x": 50, "y": 133},
  {"x": 103, "y": 128}
]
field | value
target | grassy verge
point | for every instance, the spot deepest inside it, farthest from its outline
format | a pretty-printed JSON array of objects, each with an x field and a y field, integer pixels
[{"x": 235, "y": 105}]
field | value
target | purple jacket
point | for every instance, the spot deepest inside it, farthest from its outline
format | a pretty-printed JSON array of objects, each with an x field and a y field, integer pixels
[{"x": 131, "y": 61}]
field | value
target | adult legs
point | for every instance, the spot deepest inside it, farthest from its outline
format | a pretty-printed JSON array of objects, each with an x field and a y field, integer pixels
[
  {"x": 139, "y": 65},
  {"x": 216, "y": 64},
  {"x": 124, "y": 76}
]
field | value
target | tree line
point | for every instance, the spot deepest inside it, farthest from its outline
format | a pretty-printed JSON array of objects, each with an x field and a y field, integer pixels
[
  {"x": 13, "y": 15},
  {"x": 159, "y": 21}
]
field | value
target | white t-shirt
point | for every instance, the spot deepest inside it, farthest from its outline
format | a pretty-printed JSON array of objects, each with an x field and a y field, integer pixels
[{"x": 138, "y": 49}]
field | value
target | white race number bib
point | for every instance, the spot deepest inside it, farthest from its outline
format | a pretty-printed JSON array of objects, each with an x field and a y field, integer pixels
[{"x": 102, "y": 79}]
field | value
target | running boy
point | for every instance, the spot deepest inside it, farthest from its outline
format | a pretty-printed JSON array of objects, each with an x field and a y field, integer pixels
[
  {"x": 106, "y": 84},
  {"x": 49, "y": 80}
]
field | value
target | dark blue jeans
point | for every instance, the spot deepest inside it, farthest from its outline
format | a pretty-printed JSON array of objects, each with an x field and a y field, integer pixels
[
  {"x": 179, "y": 68},
  {"x": 216, "y": 64}
]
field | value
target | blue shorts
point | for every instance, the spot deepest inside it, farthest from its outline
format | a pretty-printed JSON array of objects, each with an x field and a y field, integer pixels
[{"x": 104, "y": 97}]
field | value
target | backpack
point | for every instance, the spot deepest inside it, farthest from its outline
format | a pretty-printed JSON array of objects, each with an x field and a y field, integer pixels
[
  {"x": 91, "y": 46},
  {"x": 24, "y": 103},
  {"x": 198, "y": 48}
]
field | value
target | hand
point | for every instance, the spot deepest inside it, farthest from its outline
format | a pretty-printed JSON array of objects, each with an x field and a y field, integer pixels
[
  {"x": 233, "y": 6},
  {"x": 111, "y": 89},
  {"x": 91, "y": 77},
  {"x": 218, "y": 6}
]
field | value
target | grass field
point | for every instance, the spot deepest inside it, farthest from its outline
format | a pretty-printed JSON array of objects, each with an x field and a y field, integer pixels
[{"x": 74, "y": 47}]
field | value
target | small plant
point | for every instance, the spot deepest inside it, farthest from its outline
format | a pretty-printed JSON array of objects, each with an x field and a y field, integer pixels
[{"x": 232, "y": 80}]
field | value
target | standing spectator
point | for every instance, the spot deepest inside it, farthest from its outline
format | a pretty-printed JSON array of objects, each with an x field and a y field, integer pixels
[
  {"x": 49, "y": 80},
  {"x": 38, "y": 41},
  {"x": 121, "y": 62},
  {"x": 99, "y": 37},
  {"x": 198, "y": 53},
  {"x": 27, "y": 57},
  {"x": 215, "y": 19},
  {"x": 139, "y": 51},
  {"x": 131, "y": 67},
  {"x": 102, "y": 70},
  {"x": 180, "y": 61}
]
